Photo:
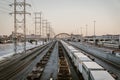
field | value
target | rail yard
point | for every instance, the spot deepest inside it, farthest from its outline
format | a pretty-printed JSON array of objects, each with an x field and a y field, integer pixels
[{"x": 57, "y": 60}]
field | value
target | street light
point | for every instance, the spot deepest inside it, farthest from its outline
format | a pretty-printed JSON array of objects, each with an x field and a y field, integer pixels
[{"x": 86, "y": 29}]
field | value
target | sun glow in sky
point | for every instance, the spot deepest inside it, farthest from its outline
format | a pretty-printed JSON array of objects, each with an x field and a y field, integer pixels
[{"x": 68, "y": 16}]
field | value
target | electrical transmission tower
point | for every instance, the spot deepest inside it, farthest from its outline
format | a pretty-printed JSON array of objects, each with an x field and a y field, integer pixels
[
  {"x": 19, "y": 21},
  {"x": 44, "y": 28},
  {"x": 38, "y": 21}
]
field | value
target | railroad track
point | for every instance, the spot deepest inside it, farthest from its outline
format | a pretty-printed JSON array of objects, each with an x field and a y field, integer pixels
[
  {"x": 40, "y": 66},
  {"x": 64, "y": 72},
  {"x": 14, "y": 66}
]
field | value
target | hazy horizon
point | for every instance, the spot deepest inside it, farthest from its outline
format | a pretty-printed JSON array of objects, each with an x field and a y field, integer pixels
[{"x": 68, "y": 16}]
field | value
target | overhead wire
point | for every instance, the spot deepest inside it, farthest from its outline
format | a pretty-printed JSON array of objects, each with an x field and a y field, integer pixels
[
  {"x": 32, "y": 3},
  {"x": 3, "y": 6},
  {"x": 31, "y": 11},
  {"x": 5, "y": 1},
  {"x": 2, "y": 11}
]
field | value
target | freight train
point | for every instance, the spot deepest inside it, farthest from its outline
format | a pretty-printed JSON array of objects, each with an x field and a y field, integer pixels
[{"x": 89, "y": 69}]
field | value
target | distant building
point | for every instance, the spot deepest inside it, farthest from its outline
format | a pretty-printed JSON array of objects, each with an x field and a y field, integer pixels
[
  {"x": 19, "y": 36},
  {"x": 4, "y": 38},
  {"x": 111, "y": 37},
  {"x": 76, "y": 37}
]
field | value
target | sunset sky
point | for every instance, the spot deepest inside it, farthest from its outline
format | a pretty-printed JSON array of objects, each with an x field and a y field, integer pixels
[{"x": 68, "y": 15}]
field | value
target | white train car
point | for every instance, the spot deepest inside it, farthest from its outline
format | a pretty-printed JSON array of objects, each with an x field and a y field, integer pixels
[
  {"x": 68, "y": 48},
  {"x": 81, "y": 60},
  {"x": 72, "y": 54},
  {"x": 72, "y": 50},
  {"x": 76, "y": 56},
  {"x": 90, "y": 66},
  {"x": 90, "y": 70},
  {"x": 100, "y": 75},
  {"x": 78, "y": 59}
]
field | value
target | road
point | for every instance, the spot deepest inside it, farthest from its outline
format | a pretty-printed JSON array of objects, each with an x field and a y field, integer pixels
[{"x": 14, "y": 66}]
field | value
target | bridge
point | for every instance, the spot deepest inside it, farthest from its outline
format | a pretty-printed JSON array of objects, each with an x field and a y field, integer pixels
[{"x": 62, "y": 36}]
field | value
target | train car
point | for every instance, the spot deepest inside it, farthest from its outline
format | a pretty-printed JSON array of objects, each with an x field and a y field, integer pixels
[
  {"x": 71, "y": 51},
  {"x": 90, "y": 70},
  {"x": 111, "y": 45},
  {"x": 72, "y": 54},
  {"x": 90, "y": 66},
  {"x": 70, "y": 47},
  {"x": 81, "y": 60},
  {"x": 76, "y": 57},
  {"x": 100, "y": 75}
]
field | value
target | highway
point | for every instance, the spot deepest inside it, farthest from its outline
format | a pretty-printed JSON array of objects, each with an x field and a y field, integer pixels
[
  {"x": 45, "y": 62},
  {"x": 15, "y": 65}
]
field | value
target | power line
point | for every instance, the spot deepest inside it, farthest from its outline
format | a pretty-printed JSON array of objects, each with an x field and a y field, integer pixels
[
  {"x": 38, "y": 20},
  {"x": 3, "y": 3},
  {"x": 1, "y": 7},
  {"x": 6, "y": 1},
  {"x": 17, "y": 21},
  {"x": 32, "y": 3},
  {"x": 2, "y": 11},
  {"x": 4, "y": 7}
]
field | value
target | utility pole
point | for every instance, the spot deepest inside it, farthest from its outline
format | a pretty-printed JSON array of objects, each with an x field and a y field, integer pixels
[
  {"x": 81, "y": 31},
  {"x": 38, "y": 20},
  {"x": 46, "y": 25},
  {"x": 15, "y": 29},
  {"x": 81, "y": 36},
  {"x": 94, "y": 28},
  {"x": 48, "y": 30},
  {"x": 94, "y": 32},
  {"x": 52, "y": 32},
  {"x": 24, "y": 25},
  {"x": 40, "y": 23},
  {"x": 35, "y": 26},
  {"x": 18, "y": 22},
  {"x": 86, "y": 29},
  {"x": 35, "y": 29},
  {"x": 44, "y": 29}
]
